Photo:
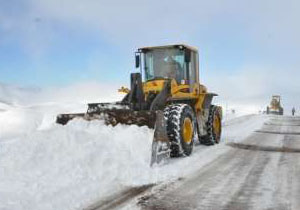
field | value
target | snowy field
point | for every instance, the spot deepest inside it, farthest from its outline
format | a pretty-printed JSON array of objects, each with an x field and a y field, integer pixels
[{"x": 48, "y": 166}]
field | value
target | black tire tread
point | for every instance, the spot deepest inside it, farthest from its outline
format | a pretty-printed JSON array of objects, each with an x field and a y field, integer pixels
[
  {"x": 173, "y": 115},
  {"x": 210, "y": 138}
]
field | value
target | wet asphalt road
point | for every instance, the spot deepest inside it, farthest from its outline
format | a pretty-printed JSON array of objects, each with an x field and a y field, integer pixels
[{"x": 261, "y": 172}]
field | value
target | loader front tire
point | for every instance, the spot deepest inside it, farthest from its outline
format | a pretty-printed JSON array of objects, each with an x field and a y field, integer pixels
[
  {"x": 181, "y": 127},
  {"x": 214, "y": 127}
]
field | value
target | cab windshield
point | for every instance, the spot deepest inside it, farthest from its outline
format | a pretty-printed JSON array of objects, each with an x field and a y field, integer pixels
[{"x": 164, "y": 63}]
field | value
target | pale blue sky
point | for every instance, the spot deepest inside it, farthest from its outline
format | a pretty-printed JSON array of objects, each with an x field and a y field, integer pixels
[{"x": 250, "y": 46}]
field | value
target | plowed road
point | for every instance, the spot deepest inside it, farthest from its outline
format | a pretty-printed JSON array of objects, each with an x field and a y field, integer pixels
[{"x": 261, "y": 172}]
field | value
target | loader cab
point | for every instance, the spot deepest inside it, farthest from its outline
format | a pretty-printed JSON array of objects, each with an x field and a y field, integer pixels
[
  {"x": 276, "y": 98},
  {"x": 179, "y": 62},
  {"x": 275, "y": 103}
]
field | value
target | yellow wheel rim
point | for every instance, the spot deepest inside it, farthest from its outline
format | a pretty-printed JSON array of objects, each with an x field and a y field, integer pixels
[
  {"x": 187, "y": 130},
  {"x": 217, "y": 125}
]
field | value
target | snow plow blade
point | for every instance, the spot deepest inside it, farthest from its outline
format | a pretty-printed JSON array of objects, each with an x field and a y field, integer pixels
[{"x": 160, "y": 144}]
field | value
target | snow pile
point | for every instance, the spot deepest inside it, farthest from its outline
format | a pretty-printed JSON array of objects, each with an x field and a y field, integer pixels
[
  {"x": 15, "y": 122},
  {"x": 48, "y": 166},
  {"x": 73, "y": 166},
  {"x": 66, "y": 167},
  {"x": 23, "y": 110}
]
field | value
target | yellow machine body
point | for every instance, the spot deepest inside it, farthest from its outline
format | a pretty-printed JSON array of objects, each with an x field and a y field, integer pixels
[
  {"x": 179, "y": 92},
  {"x": 165, "y": 95}
]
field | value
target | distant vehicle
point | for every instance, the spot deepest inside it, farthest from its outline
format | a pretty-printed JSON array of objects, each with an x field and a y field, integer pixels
[{"x": 275, "y": 106}]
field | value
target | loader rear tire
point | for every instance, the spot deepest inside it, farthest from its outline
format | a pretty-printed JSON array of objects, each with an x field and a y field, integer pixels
[
  {"x": 214, "y": 127},
  {"x": 181, "y": 127}
]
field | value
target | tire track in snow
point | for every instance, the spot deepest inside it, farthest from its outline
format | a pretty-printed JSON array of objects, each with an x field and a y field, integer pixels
[{"x": 119, "y": 199}]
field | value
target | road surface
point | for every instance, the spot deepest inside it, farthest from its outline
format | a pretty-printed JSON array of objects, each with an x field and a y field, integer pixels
[{"x": 261, "y": 172}]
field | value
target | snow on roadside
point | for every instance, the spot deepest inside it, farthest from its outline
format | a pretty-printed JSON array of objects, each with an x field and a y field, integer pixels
[
  {"x": 65, "y": 167},
  {"x": 70, "y": 167},
  {"x": 16, "y": 121},
  {"x": 23, "y": 110},
  {"x": 48, "y": 166}
]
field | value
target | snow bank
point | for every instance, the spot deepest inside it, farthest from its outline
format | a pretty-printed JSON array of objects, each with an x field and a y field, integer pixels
[
  {"x": 48, "y": 166},
  {"x": 66, "y": 167},
  {"x": 73, "y": 166},
  {"x": 23, "y": 110},
  {"x": 17, "y": 121}
]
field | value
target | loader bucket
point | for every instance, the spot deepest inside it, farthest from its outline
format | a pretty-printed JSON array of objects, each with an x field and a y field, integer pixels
[
  {"x": 112, "y": 114},
  {"x": 63, "y": 119}
]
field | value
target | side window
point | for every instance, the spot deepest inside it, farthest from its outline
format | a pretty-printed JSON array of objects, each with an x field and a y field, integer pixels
[
  {"x": 193, "y": 68},
  {"x": 149, "y": 72},
  {"x": 196, "y": 67}
]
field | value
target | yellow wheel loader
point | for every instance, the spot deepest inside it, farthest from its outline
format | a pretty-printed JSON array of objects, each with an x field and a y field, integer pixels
[
  {"x": 275, "y": 106},
  {"x": 166, "y": 96}
]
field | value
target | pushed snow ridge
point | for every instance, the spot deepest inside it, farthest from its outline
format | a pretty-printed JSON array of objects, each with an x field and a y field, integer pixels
[{"x": 48, "y": 166}]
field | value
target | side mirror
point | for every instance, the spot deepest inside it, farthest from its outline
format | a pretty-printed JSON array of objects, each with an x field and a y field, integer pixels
[
  {"x": 187, "y": 56},
  {"x": 137, "y": 61}
]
